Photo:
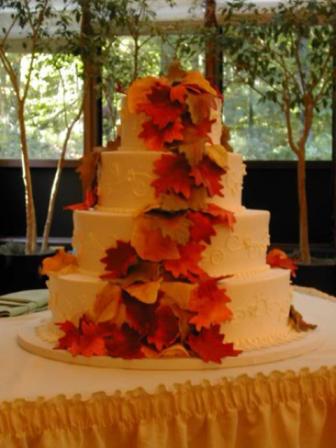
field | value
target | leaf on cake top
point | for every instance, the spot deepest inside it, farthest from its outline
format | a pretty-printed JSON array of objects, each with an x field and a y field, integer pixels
[
  {"x": 209, "y": 301},
  {"x": 297, "y": 321},
  {"x": 200, "y": 106},
  {"x": 155, "y": 138},
  {"x": 209, "y": 345},
  {"x": 186, "y": 266},
  {"x": 118, "y": 260},
  {"x": 159, "y": 106},
  {"x": 61, "y": 262},
  {"x": 138, "y": 91},
  {"x": 148, "y": 241},
  {"x": 277, "y": 258}
]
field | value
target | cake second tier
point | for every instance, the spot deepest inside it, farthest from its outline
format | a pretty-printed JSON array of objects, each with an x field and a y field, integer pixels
[
  {"x": 236, "y": 251},
  {"x": 125, "y": 181}
]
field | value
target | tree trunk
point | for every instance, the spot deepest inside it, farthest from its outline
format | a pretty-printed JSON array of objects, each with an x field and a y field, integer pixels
[
  {"x": 28, "y": 187},
  {"x": 303, "y": 208}
]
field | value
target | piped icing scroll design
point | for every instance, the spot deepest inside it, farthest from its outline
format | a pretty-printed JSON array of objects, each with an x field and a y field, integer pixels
[{"x": 131, "y": 179}]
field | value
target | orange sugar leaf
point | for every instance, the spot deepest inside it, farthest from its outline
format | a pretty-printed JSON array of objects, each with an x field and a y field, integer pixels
[
  {"x": 186, "y": 266},
  {"x": 210, "y": 303},
  {"x": 156, "y": 138},
  {"x": 118, "y": 260},
  {"x": 202, "y": 228},
  {"x": 220, "y": 216},
  {"x": 59, "y": 262},
  {"x": 277, "y": 258},
  {"x": 208, "y": 174}
]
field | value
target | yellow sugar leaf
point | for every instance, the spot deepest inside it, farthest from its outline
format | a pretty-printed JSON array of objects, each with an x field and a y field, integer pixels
[
  {"x": 144, "y": 292},
  {"x": 175, "y": 351},
  {"x": 138, "y": 91},
  {"x": 149, "y": 242},
  {"x": 194, "y": 151},
  {"x": 178, "y": 292},
  {"x": 200, "y": 106},
  {"x": 218, "y": 154},
  {"x": 107, "y": 303},
  {"x": 171, "y": 202},
  {"x": 195, "y": 77},
  {"x": 58, "y": 263},
  {"x": 143, "y": 271},
  {"x": 175, "y": 227}
]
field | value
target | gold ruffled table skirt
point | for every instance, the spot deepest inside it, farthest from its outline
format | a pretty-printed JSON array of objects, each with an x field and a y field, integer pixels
[{"x": 279, "y": 405}]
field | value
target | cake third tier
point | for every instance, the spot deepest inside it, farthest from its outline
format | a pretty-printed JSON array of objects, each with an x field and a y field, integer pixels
[{"x": 230, "y": 252}]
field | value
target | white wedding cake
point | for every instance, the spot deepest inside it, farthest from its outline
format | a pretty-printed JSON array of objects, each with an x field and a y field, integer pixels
[{"x": 171, "y": 191}]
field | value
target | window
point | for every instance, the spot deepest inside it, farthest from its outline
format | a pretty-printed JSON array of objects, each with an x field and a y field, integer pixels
[{"x": 53, "y": 101}]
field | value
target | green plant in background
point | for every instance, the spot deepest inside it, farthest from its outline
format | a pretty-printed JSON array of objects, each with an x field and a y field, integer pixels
[{"x": 285, "y": 54}]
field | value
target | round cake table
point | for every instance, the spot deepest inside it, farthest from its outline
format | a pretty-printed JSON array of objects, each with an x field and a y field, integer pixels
[{"x": 288, "y": 403}]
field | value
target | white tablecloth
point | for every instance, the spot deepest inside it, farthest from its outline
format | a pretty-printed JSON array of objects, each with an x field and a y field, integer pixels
[{"x": 24, "y": 375}]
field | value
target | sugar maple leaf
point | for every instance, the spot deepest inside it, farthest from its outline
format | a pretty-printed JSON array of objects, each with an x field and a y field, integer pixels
[
  {"x": 173, "y": 173},
  {"x": 196, "y": 82},
  {"x": 61, "y": 261},
  {"x": 194, "y": 141},
  {"x": 90, "y": 200},
  {"x": 202, "y": 228},
  {"x": 178, "y": 93},
  {"x": 208, "y": 174},
  {"x": 209, "y": 346},
  {"x": 174, "y": 202},
  {"x": 277, "y": 258},
  {"x": 138, "y": 91},
  {"x": 177, "y": 292},
  {"x": 140, "y": 316},
  {"x": 87, "y": 169},
  {"x": 175, "y": 226},
  {"x": 186, "y": 266},
  {"x": 200, "y": 106},
  {"x": 175, "y": 351},
  {"x": 149, "y": 243},
  {"x": 210, "y": 303},
  {"x": 108, "y": 304},
  {"x": 156, "y": 138},
  {"x": 296, "y": 320},
  {"x": 118, "y": 260},
  {"x": 218, "y": 154},
  {"x": 144, "y": 292},
  {"x": 87, "y": 339},
  {"x": 165, "y": 330},
  {"x": 124, "y": 343},
  {"x": 160, "y": 107},
  {"x": 220, "y": 216},
  {"x": 143, "y": 271}
]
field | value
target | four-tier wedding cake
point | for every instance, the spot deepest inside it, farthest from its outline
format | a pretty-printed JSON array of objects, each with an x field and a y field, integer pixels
[{"x": 167, "y": 262}]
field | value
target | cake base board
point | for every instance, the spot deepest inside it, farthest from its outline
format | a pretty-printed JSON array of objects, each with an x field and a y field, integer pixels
[{"x": 30, "y": 341}]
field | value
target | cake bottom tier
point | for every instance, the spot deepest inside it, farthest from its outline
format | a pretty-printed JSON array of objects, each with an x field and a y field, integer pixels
[{"x": 260, "y": 304}]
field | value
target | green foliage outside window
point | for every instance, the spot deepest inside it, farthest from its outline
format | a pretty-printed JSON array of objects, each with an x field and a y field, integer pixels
[{"x": 53, "y": 100}]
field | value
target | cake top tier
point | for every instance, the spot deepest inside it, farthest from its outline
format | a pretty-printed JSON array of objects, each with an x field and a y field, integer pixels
[{"x": 164, "y": 113}]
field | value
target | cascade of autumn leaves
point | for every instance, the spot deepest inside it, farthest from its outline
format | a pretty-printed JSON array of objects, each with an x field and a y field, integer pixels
[{"x": 158, "y": 301}]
